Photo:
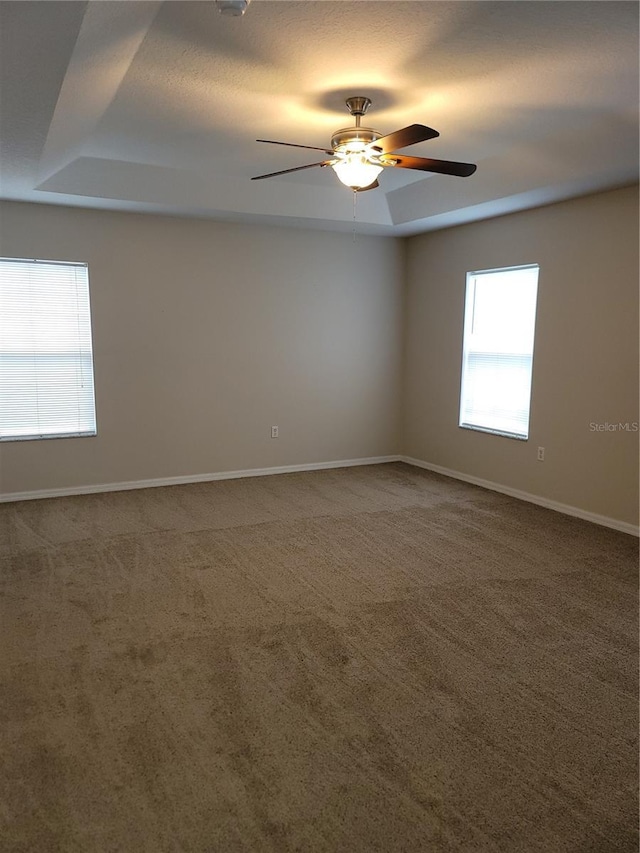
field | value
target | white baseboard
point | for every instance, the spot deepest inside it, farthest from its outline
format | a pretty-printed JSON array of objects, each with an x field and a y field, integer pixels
[
  {"x": 567, "y": 509},
  {"x": 190, "y": 478}
]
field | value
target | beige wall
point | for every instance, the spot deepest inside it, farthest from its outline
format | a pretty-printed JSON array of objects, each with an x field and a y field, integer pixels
[
  {"x": 585, "y": 360},
  {"x": 206, "y": 334}
]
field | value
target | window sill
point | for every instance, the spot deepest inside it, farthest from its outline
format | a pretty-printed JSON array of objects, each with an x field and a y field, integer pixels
[
  {"x": 514, "y": 435},
  {"x": 47, "y": 437}
]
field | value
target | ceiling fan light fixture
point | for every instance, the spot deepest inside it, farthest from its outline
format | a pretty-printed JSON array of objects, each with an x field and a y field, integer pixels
[{"x": 355, "y": 171}]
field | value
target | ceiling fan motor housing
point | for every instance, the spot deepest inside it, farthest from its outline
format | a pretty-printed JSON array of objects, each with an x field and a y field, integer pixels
[{"x": 353, "y": 138}]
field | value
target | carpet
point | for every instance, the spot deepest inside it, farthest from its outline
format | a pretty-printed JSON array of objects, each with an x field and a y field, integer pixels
[{"x": 363, "y": 659}]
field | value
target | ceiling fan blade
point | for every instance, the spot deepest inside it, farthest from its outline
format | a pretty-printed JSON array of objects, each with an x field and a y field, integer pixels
[
  {"x": 286, "y": 171},
  {"x": 370, "y": 187},
  {"x": 442, "y": 167},
  {"x": 406, "y": 136},
  {"x": 295, "y": 145}
]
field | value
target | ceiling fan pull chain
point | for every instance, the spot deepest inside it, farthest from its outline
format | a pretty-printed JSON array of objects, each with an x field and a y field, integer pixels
[{"x": 355, "y": 201}]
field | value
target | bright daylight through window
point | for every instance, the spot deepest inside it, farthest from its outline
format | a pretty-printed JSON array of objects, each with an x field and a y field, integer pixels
[
  {"x": 497, "y": 359},
  {"x": 46, "y": 361}
]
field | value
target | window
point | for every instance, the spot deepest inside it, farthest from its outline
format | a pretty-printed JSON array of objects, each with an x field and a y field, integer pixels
[
  {"x": 46, "y": 362},
  {"x": 497, "y": 358}
]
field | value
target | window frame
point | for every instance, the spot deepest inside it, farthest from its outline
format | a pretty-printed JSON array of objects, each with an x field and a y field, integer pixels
[
  {"x": 480, "y": 428},
  {"x": 92, "y": 431}
]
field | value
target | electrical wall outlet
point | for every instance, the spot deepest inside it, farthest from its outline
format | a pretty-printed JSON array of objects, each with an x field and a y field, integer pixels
[
  {"x": 541, "y": 454},
  {"x": 274, "y": 432}
]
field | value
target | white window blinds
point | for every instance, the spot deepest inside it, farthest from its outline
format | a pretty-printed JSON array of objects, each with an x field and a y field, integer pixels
[
  {"x": 497, "y": 359},
  {"x": 46, "y": 361}
]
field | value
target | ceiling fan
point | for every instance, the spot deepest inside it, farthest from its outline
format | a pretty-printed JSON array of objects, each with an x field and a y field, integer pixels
[{"x": 358, "y": 154}]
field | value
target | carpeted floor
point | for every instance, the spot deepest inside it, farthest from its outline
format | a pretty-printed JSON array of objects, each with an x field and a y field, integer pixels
[{"x": 356, "y": 660}]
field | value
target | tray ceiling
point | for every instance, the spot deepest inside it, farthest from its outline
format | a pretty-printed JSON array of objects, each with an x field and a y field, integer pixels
[{"x": 156, "y": 106}]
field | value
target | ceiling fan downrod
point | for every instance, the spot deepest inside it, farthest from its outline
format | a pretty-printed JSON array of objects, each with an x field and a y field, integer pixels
[{"x": 358, "y": 107}]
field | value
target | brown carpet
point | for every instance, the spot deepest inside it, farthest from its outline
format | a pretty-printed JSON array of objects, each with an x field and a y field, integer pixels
[{"x": 368, "y": 659}]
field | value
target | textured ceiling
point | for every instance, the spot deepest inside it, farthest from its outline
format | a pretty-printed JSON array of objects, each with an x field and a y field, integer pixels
[{"x": 157, "y": 105}]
